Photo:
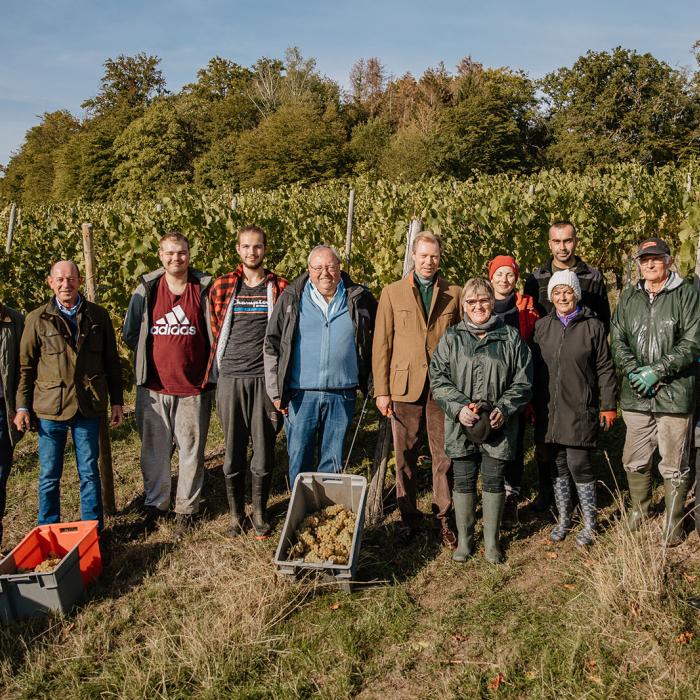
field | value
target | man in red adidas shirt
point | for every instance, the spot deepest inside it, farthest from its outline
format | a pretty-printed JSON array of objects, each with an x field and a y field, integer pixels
[
  {"x": 167, "y": 327},
  {"x": 240, "y": 305}
]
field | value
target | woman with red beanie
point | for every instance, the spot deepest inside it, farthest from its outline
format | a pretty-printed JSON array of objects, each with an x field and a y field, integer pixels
[{"x": 517, "y": 310}]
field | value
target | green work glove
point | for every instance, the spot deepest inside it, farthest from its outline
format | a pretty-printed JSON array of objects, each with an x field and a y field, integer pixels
[{"x": 644, "y": 380}]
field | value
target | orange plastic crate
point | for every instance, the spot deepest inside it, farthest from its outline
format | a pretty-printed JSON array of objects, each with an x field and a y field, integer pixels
[{"x": 30, "y": 594}]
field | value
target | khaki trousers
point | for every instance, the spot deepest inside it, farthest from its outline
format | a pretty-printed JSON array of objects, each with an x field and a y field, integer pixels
[{"x": 670, "y": 432}]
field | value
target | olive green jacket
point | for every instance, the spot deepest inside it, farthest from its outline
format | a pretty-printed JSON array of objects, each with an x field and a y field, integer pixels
[
  {"x": 11, "y": 326},
  {"x": 466, "y": 369},
  {"x": 664, "y": 335},
  {"x": 59, "y": 378}
]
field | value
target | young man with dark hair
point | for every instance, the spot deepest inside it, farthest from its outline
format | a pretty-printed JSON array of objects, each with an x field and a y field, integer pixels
[{"x": 240, "y": 305}]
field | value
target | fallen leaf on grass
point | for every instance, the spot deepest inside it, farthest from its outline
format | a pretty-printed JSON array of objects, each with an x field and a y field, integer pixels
[
  {"x": 591, "y": 664},
  {"x": 458, "y": 638},
  {"x": 595, "y": 679},
  {"x": 684, "y": 638},
  {"x": 690, "y": 578},
  {"x": 496, "y": 682},
  {"x": 552, "y": 555},
  {"x": 530, "y": 675},
  {"x": 335, "y": 606},
  {"x": 634, "y": 608},
  {"x": 589, "y": 562},
  {"x": 569, "y": 586}
]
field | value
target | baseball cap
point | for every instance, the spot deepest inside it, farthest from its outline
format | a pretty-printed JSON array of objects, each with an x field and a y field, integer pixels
[{"x": 652, "y": 246}]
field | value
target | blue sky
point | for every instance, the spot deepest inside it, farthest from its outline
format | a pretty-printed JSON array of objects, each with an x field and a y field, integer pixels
[{"x": 51, "y": 51}]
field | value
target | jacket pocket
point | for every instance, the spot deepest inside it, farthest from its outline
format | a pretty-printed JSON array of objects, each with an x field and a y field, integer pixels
[
  {"x": 53, "y": 342},
  {"x": 398, "y": 384},
  {"x": 96, "y": 387},
  {"x": 48, "y": 396}
]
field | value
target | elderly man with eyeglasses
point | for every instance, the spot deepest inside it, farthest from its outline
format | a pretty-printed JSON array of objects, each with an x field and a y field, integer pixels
[
  {"x": 317, "y": 353},
  {"x": 655, "y": 340}
]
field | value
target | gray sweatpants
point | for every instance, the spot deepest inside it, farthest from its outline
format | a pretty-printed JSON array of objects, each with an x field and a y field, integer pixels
[
  {"x": 246, "y": 413},
  {"x": 164, "y": 423}
]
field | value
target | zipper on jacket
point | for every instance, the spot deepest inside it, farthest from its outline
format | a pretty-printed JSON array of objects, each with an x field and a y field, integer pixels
[{"x": 556, "y": 386}]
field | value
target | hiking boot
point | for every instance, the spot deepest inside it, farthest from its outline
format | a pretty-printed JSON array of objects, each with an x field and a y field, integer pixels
[
  {"x": 492, "y": 511},
  {"x": 465, "y": 516},
  {"x": 640, "y": 499},
  {"x": 510, "y": 512},
  {"x": 562, "y": 497},
  {"x": 675, "y": 491},
  {"x": 260, "y": 492},
  {"x": 235, "y": 495},
  {"x": 587, "y": 500},
  {"x": 184, "y": 522}
]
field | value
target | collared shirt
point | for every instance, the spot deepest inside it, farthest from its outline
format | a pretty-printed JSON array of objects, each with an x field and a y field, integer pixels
[
  {"x": 328, "y": 308},
  {"x": 425, "y": 289},
  {"x": 566, "y": 320},
  {"x": 71, "y": 315}
]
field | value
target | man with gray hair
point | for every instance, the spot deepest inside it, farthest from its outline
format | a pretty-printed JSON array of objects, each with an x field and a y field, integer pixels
[
  {"x": 655, "y": 340},
  {"x": 317, "y": 352}
]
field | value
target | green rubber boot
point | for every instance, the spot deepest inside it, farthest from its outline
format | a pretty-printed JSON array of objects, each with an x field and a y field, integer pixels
[
  {"x": 640, "y": 496},
  {"x": 492, "y": 507},
  {"x": 675, "y": 491},
  {"x": 465, "y": 515}
]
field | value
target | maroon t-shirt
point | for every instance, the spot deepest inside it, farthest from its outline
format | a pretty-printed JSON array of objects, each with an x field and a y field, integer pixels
[{"x": 178, "y": 345}]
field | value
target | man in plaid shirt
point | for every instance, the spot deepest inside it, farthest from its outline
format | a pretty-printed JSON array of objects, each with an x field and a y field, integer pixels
[{"x": 244, "y": 299}]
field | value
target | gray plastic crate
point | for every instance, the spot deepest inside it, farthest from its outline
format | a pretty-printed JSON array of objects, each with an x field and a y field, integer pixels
[{"x": 312, "y": 492}]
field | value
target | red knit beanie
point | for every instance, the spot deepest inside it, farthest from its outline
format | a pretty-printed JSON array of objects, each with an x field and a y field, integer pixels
[{"x": 503, "y": 261}]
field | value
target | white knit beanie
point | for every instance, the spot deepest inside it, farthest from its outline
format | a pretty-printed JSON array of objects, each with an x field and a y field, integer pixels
[{"x": 567, "y": 277}]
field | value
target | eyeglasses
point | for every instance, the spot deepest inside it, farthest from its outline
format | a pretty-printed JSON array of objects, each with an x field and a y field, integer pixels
[
  {"x": 318, "y": 269},
  {"x": 473, "y": 303}
]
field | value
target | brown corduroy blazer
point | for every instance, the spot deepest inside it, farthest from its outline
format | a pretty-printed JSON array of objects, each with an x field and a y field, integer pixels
[{"x": 404, "y": 341}]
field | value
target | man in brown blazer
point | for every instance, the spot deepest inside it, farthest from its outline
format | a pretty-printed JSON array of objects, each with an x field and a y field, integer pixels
[{"x": 413, "y": 314}]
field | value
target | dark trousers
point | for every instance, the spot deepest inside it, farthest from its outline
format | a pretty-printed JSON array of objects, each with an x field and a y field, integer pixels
[
  {"x": 246, "y": 414},
  {"x": 5, "y": 458},
  {"x": 515, "y": 467},
  {"x": 409, "y": 419},
  {"x": 466, "y": 472},
  {"x": 571, "y": 460}
]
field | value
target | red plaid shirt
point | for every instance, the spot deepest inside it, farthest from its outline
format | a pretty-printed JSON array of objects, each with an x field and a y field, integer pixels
[{"x": 220, "y": 295}]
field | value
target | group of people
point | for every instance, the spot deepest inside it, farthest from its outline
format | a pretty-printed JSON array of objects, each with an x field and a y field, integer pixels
[{"x": 471, "y": 366}]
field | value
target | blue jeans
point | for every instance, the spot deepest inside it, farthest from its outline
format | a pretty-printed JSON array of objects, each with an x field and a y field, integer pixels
[
  {"x": 317, "y": 417},
  {"x": 5, "y": 459},
  {"x": 52, "y": 443}
]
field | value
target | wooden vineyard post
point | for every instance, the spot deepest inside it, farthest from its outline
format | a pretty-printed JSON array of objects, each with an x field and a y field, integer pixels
[
  {"x": 375, "y": 495},
  {"x": 105, "y": 459},
  {"x": 348, "y": 229},
  {"x": 11, "y": 228}
]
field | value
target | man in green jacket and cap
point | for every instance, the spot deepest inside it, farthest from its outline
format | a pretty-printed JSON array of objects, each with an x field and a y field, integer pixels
[{"x": 655, "y": 339}]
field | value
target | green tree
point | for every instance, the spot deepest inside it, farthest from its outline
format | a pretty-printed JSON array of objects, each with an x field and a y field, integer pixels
[
  {"x": 616, "y": 106},
  {"x": 217, "y": 166},
  {"x": 30, "y": 172},
  {"x": 294, "y": 144},
  {"x": 155, "y": 152},
  {"x": 368, "y": 144}
]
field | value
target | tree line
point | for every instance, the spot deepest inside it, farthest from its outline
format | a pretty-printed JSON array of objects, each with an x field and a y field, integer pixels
[{"x": 281, "y": 121}]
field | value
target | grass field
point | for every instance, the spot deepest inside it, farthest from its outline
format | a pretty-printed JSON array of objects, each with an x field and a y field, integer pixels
[{"x": 207, "y": 617}]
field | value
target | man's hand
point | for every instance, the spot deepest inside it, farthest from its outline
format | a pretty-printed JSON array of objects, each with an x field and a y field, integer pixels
[
  {"x": 22, "y": 421},
  {"x": 277, "y": 403},
  {"x": 496, "y": 418},
  {"x": 644, "y": 381},
  {"x": 467, "y": 417},
  {"x": 607, "y": 419},
  {"x": 385, "y": 406},
  {"x": 117, "y": 416}
]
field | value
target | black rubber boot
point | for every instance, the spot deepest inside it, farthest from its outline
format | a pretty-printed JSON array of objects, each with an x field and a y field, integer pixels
[
  {"x": 492, "y": 510},
  {"x": 675, "y": 491},
  {"x": 545, "y": 489},
  {"x": 260, "y": 493},
  {"x": 235, "y": 494},
  {"x": 465, "y": 512},
  {"x": 510, "y": 512},
  {"x": 587, "y": 499},
  {"x": 640, "y": 497}
]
